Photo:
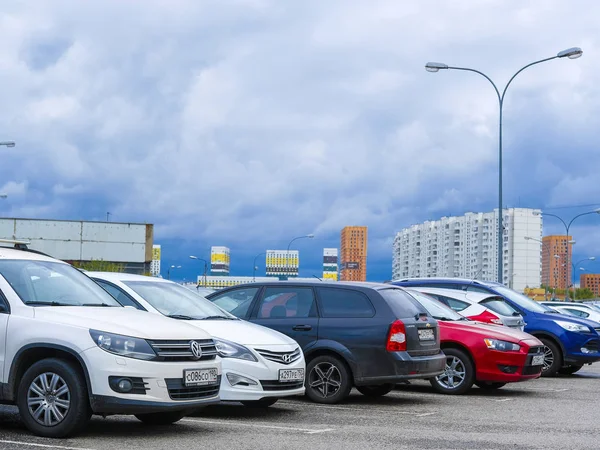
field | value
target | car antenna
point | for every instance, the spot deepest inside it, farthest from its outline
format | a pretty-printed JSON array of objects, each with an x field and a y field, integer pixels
[
  {"x": 317, "y": 278},
  {"x": 479, "y": 272}
]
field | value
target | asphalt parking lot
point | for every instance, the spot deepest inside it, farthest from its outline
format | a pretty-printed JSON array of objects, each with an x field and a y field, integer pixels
[{"x": 545, "y": 413}]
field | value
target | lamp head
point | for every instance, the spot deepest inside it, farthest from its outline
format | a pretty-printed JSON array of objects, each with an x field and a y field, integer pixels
[
  {"x": 435, "y": 67},
  {"x": 571, "y": 53}
]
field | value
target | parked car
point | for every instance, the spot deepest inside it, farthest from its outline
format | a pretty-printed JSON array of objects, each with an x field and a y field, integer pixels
[
  {"x": 260, "y": 365},
  {"x": 577, "y": 309},
  {"x": 69, "y": 351},
  {"x": 583, "y": 305},
  {"x": 367, "y": 335},
  {"x": 487, "y": 355},
  {"x": 487, "y": 308},
  {"x": 570, "y": 342}
]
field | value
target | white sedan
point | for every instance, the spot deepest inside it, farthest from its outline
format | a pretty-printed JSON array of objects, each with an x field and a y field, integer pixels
[{"x": 260, "y": 365}]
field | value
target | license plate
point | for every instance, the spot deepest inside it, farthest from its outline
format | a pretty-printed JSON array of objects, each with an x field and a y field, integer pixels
[
  {"x": 200, "y": 377},
  {"x": 290, "y": 375},
  {"x": 537, "y": 360},
  {"x": 426, "y": 335}
]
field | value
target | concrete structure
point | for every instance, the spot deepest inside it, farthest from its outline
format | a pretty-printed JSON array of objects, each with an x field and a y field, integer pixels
[
  {"x": 219, "y": 260},
  {"x": 591, "y": 281},
  {"x": 155, "y": 263},
  {"x": 330, "y": 264},
  {"x": 353, "y": 246},
  {"x": 554, "y": 269},
  {"x": 213, "y": 282},
  {"x": 466, "y": 247},
  {"x": 281, "y": 263},
  {"x": 128, "y": 244}
]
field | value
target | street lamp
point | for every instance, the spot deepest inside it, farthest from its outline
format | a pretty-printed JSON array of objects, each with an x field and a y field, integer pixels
[
  {"x": 9, "y": 144},
  {"x": 205, "y": 266},
  {"x": 571, "y": 53},
  {"x": 547, "y": 247},
  {"x": 287, "y": 254},
  {"x": 169, "y": 271},
  {"x": 254, "y": 268},
  {"x": 567, "y": 228}
]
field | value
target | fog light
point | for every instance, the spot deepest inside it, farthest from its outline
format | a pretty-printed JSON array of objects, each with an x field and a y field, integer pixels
[
  {"x": 587, "y": 350},
  {"x": 238, "y": 380},
  {"x": 507, "y": 369},
  {"x": 125, "y": 385}
]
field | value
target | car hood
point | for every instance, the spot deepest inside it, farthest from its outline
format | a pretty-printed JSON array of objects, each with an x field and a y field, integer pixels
[
  {"x": 488, "y": 331},
  {"x": 565, "y": 318},
  {"x": 242, "y": 332},
  {"x": 125, "y": 321}
]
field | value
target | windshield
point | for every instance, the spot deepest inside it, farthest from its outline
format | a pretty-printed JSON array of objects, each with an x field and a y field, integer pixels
[
  {"x": 524, "y": 302},
  {"x": 172, "y": 299},
  {"x": 500, "y": 306},
  {"x": 46, "y": 283},
  {"x": 438, "y": 310}
]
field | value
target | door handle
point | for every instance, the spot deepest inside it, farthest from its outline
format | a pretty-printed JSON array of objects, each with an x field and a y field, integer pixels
[{"x": 302, "y": 328}]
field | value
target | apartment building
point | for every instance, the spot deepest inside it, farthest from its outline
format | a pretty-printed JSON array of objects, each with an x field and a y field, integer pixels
[
  {"x": 330, "y": 264},
  {"x": 353, "y": 249},
  {"x": 220, "y": 259},
  {"x": 555, "y": 272},
  {"x": 591, "y": 281},
  {"x": 466, "y": 246},
  {"x": 282, "y": 263}
]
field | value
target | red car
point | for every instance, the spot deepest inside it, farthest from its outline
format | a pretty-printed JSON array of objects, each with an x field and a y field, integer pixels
[{"x": 486, "y": 355}]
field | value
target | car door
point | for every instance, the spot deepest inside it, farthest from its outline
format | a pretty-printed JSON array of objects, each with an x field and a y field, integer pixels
[
  {"x": 4, "y": 316},
  {"x": 291, "y": 310}
]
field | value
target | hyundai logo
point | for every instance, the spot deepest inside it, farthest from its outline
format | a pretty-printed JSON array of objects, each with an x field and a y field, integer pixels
[
  {"x": 287, "y": 358},
  {"x": 196, "y": 349}
]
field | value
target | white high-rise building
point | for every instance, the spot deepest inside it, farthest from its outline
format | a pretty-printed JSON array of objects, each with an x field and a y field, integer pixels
[
  {"x": 330, "y": 264},
  {"x": 220, "y": 258},
  {"x": 282, "y": 263},
  {"x": 155, "y": 263},
  {"x": 467, "y": 247}
]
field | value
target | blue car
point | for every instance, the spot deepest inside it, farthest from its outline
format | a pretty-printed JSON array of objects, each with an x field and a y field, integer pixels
[{"x": 570, "y": 342}]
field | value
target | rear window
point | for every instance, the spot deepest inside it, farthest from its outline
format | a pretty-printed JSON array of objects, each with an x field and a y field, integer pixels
[
  {"x": 344, "y": 303},
  {"x": 402, "y": 304},
  {"x": 499, "y": 305}
]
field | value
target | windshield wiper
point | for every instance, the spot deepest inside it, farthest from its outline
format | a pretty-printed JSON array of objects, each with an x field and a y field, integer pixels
[
  {"x": 45, "y": 303},
  {"x": 551, "y": 312},
  {"x": 98, "y": 304},
  {"x": 218, "y": 317},
  {"x": 181, "y": 317}
]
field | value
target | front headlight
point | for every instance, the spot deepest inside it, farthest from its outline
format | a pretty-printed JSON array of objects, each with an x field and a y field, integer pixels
[
  {"x": 228, "y": 349},
  {"x": 129, "y": 347},
  {"x": 501, "y": 346},
  {"x": 569, "y": 326}
]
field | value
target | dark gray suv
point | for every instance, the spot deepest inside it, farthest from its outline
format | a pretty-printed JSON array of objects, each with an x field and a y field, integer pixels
[{"x": 366, "y": 335}]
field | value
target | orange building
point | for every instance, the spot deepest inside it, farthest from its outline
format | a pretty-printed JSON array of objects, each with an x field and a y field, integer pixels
[
  {"x": 591, "y": 281},
  {"x": 554, "y": 268},
  {"x": 353, "y": 257}
]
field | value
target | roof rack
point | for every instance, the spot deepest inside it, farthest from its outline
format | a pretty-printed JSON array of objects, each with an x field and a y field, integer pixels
[{"x": 19, "y": 245}]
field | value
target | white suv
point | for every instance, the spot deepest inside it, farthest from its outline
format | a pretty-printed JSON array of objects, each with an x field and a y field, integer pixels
[
  {"x": 260, "y": 365},
  {"x": 69, "y": 350}
]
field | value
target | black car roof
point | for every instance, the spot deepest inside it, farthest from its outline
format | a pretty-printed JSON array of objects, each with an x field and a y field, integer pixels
[{"x": 360, "y": 284}]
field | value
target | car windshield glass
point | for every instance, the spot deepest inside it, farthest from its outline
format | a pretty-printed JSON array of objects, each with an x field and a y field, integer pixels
[
  {"x": 437, "y": 309},
  {"x": 524, "y": 302},
  {"x": 47, "y": 283},
  {"x": 173, "y": 299},
  {"x": 500, "y": 306}
]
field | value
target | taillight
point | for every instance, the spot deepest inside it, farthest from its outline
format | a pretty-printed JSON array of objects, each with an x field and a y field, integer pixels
[
  {"x": 397, "y": 337},
  {"x": 487, "y": 317}
]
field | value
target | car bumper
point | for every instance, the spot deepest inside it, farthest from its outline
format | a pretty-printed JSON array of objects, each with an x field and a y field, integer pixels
[
  {"x": 163, "y": 382},
  {"x": 510, "y": 367},
  {"x": 265, "y": 376},
  {"x": 583, "y": 349},
  {"x": 403, "y": 366}
]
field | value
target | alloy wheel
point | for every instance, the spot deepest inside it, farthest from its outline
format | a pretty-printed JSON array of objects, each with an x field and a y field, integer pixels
[
  {"x": 325, "y": 378},
  {"x": 454, "y": 373},
  {"x": 548, "y": 358},
  {"x": 48, "y": 399}
]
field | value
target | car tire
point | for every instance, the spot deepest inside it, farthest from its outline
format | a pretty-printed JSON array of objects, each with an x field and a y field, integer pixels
[
  {"x": 376, "y": 391},
  {"x": 552, "y": 358},
  {"x": 458, "y": 364},
  {"x": 52, "y": 398},
  {"x": 262, "y": 403},
  {"x": 569, "y": 370},
  {"x": 489, "y": 385},
  {"x": 161, "y": 418},
  {"x": 328, "y": 380}
]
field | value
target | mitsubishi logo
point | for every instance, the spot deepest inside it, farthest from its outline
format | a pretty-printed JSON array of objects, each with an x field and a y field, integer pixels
[
  {"x": 196, "y": 349},
  {"x": 287, "y": 358}
]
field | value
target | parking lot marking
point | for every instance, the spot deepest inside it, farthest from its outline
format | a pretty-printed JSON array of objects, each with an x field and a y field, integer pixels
[
  {"x": 351, "y": 408},
  {"x": 33, "y": 444},
  {"x": 254, "y": 425},
  {"x": 503, "y": 399}
]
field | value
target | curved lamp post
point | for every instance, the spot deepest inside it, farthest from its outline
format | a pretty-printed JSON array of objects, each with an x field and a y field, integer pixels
[
  {"x": 547, "y": 248},
  {"x": 571, "y": 53},
  {"x": 205, "y": 266},
  {"x": 169, "y": 271},
  {"x": 7, "y": 143},
  {"x": 254, "y": 268},
  {"x": 287, "y": 253}
]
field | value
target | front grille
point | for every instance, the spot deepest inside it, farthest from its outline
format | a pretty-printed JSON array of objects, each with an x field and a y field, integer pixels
[
  {"x": 597, "y": 330},
  {"x": 179, "y": 391},
  {"x": 281, "y": 357},
  {"x": 269, "y": 385},
  {"x": 531, "y": 370},
  {"x": 431, "y": 352},
  {"x": 592, "y": 345},
  {"x": 181, "y": 350},
  {"x": 536, "y": 350}
]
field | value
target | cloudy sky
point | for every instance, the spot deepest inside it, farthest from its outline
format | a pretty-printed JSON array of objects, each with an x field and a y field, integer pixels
[{"x": 246, "y": 123}]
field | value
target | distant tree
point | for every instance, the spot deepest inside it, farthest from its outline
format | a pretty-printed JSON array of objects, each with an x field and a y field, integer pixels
[
  {"x": 584, "y": 293},
  {"x": 99, "y": 265}
]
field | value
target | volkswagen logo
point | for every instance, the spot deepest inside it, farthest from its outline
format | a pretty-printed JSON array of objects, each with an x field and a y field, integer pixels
[
  {"x": 196, "y": 349},
  {"x": 287, "y": 358}
]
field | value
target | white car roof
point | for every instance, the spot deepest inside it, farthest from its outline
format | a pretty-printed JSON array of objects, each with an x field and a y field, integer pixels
[
  {"x": 120, "y": 276},
  {"x": 474, "y": 297},
  {"x": 12, "y": 253}
]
